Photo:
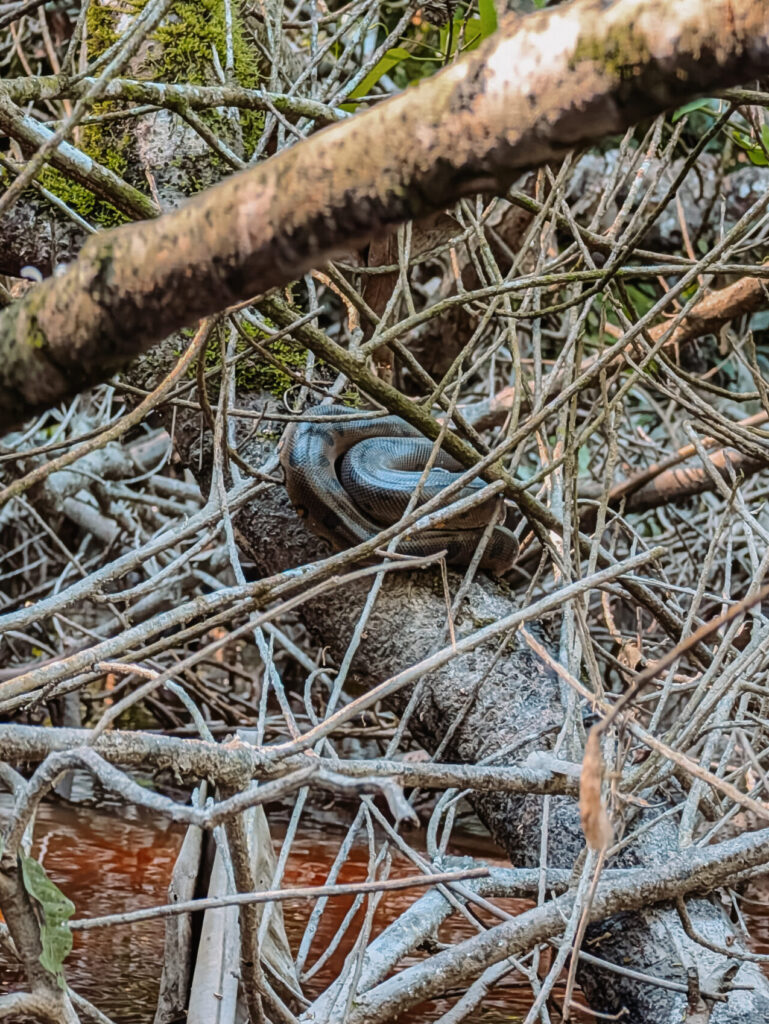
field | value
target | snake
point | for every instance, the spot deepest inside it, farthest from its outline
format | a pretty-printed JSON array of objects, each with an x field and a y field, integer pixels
[{"x": 348, "y": 479}]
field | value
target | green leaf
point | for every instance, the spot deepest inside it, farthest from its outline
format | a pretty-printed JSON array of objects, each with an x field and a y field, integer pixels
[
  {"x": 473, "y": 35},
  {"x": 642, "y": 300},
  {"x": 487, "y": 13},
  {"x": 754, "y": 152},
  {"x": 386, "y": 63},
  {"x": 701, "y": 104},
  {"x": 57, "y": 909}
]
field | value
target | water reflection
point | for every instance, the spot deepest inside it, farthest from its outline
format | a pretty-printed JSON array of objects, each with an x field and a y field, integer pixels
[{"x": 107, "y": 864}]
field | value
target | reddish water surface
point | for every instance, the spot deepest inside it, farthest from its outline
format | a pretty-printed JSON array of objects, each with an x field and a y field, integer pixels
[{"x": 107, "y": 864}]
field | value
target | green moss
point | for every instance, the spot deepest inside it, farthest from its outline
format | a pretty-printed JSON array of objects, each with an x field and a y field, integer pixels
[
  {"x": 351, "y": 397},
  {"x": 187, "y": 39},
  {"x": 619, "y": 53},
  {"x": 178, "y": 51},
  {"x": 260, "y": 374},
  {"x": 80, "y": 198},
  {"x": 270, "y": 377},
  {"x": 100, "y": 27},
  {"x": 73, "y": 194},
  {"x": 108, "y": 144},
  {"x": 188, "y": 36},
  {"x": 256, "y": 373}
]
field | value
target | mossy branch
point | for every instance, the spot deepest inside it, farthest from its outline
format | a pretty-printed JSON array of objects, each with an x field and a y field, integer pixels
[
  {"x": 75, "y": 163},
  {"x": 538, "y": 87},
  {"x": 171, "y": 95}
]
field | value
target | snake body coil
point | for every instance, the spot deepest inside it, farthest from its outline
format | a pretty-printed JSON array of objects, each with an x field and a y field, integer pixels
[{"x": 348, "y": 479}]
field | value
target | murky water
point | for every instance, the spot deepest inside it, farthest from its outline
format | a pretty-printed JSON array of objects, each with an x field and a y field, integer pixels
[{"x": 107, "y": 864}]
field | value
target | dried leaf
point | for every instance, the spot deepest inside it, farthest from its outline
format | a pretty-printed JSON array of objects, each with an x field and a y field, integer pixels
[
  {"x": 592, "y": 809},
  {"x": 629, "y": 654}
]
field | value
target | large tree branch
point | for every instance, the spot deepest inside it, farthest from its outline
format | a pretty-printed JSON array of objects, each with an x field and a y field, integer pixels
[
  {"x": 682, "y": 873},
  {"x": 471, "y": 709},
  {"x": 543, "y": 84}
]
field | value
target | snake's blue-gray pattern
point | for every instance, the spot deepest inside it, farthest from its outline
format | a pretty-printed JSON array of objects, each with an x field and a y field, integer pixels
[{"x": 349, "y": 478}]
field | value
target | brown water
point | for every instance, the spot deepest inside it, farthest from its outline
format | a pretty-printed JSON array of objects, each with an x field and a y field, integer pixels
[{"x": 106, "y": 864}]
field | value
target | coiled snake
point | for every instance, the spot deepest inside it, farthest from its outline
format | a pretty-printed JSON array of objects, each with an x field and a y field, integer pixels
[{"x": 348, "y": 479}]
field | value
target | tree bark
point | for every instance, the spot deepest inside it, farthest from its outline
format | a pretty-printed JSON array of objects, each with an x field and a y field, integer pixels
[
  {"x": 481, "y": 704},
  {"x": 517, "y": 703}
]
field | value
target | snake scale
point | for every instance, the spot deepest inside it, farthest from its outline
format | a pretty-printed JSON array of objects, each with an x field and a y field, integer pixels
[{"x": 349, "y": 479}]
